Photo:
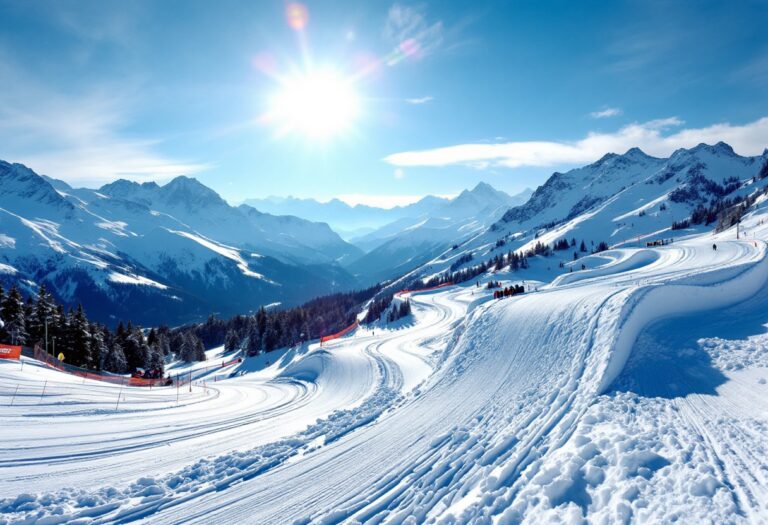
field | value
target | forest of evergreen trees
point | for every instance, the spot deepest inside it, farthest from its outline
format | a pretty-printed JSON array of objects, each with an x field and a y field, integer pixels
[
  {"x": 514, "y": 260},
  {"x": 82, "y": 342},
  {"x": 271, "y": 329},
  {"x": 128, "y": 347}
]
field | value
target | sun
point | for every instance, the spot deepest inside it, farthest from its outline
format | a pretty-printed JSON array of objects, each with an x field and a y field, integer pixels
[{"x": 320, "y": 104}]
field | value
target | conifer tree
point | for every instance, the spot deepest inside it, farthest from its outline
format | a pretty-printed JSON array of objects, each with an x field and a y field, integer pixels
[{"x": 13, "y": 316}]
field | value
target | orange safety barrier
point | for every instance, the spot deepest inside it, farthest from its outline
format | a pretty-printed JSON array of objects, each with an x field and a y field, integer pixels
[
  {"x": 10, "y": 352},
  {"x": 340, "y": 333},
  {"x": 401, "y": 292}
]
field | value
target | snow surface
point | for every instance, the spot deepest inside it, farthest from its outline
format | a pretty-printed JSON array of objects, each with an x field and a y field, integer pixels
[{"x": 633, "y": 391}]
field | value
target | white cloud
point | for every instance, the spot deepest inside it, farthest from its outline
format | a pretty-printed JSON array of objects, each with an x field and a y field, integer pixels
[
  {"x": 77, "y": 138},
  {"x": 653, "y": 137},
  {"x": 606, "y": 113},
  {"x": 419, "y": 100},
  {"x": 408, "y": 24},
  {"x": 399, "y": 173}
]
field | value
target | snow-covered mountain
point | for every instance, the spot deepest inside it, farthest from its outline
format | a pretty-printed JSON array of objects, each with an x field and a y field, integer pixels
[
  {"x": 621, "y": 200},
  {"x": 406, "y": 243},
  {"x": 348, "y": 221},
  {"x": 356, "y": 222},
  {"x": 159, "y": 253}
]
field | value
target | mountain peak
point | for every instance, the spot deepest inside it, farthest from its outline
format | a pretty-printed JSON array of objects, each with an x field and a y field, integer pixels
[
  {"x": 483, "y": 186},
  {"x": 20, "y": 181},
  {"x": 190, "y": 192},
  {"x": 636, "y": 153},
  {"x": 721, "y": 148}
]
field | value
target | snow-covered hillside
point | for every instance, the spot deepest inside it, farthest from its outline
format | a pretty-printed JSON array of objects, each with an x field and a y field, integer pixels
[
  {"x": 621, "y": 200},
  {"x": 159, "y": 253},
  {"x": 614, "y": 394},
  {"x": 410, "y": 241}
]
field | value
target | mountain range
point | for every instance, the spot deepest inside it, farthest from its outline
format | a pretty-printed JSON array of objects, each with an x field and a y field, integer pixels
[
  {"x": 358, "y": 221},
  {"x": 620, "y": 200},
  {"x": 154, "y": 253},
  {"x": 178, "y": 252}
]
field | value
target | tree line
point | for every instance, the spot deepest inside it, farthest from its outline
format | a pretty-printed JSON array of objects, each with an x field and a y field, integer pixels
[
  {"x": 270, "y": 329},
  {"x": 86, "y": 344},
  {"x": 41, "y": 321}
]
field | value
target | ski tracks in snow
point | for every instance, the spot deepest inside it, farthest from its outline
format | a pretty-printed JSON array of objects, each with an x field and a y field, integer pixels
[{"x": 492, "y": 415}]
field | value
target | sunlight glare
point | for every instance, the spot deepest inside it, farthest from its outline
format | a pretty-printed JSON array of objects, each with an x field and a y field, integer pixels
[{"x": 320, "y": 104}]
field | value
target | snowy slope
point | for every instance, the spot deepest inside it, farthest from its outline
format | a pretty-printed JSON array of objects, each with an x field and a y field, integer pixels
[
  {"x": 406, "y": 243},
  {"x": 623, "y": 200},
  {"x": 159, "y": 254},
  {"x": 552, "y": 406}
]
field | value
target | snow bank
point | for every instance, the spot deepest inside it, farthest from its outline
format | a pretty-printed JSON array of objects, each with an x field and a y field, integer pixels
[{"x": 664, "y": 300}]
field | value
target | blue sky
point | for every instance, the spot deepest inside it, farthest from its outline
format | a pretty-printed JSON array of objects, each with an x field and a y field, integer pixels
[{"x": 505, "y": 92}]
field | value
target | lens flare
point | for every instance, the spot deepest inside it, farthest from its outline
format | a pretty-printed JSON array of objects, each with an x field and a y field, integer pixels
[{"x": 297, "y": 16}]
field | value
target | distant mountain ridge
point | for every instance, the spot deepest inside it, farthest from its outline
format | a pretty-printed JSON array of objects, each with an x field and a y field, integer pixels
[
  {"x": 155, "y": 254},
  {"x": 404, "y": 244},
  {"x": 358, "y": 220}
]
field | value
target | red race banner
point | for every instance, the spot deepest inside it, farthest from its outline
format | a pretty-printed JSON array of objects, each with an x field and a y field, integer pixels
[{"x": 10, "y": 352}]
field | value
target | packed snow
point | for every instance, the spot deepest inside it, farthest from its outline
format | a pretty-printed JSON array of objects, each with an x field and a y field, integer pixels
[{"x": 635, "y": 390}]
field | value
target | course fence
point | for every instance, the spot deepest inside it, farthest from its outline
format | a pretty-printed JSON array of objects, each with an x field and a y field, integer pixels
[
  {"x": 402, "y": 292},
  {"x": 181, "y": 378},
  {"x": 340, "y": 333}
]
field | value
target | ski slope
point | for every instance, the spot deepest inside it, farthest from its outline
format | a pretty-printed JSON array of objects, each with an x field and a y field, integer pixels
[{"x": 591, "y": 397}]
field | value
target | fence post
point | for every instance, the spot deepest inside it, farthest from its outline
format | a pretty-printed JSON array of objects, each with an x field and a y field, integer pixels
[
  {"x": 43, "y": 392},
  {"x": 119, "y": 393},
  {"x": 14, "y": 395}
]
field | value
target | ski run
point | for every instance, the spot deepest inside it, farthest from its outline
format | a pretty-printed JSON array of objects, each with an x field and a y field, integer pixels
[{"x": 633, "y": 391}]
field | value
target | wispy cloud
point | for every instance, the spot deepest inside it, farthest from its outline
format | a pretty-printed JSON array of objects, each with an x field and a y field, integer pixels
[
  {"x": 419, "y": 100},
  {"x": 78, "y": 138},
  {"x": 654, "y": 137},
  {"x": 408, "y": 25},
  {"x": 606, "y": 113},
  {"x": 399, "y": 173}
]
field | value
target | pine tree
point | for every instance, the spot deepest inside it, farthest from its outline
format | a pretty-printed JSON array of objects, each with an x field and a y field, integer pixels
[
  {"x": 191, "y": 348},
  {"x": 115, "y": 360},
  {"x": 99, "y": 349},
  {"x": 253, "y": 344},
  {"x": 44, "y": 309},
  {"x": 135, "y": 348},
  {"x": 4, "y": 335},
  {"x": 80, "y": 340},
  {"x": 231, "y": 342},
  {"x": 13, "y": 316}
]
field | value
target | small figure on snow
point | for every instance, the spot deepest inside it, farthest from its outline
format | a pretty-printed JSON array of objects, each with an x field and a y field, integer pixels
[{"x": 714, "y": 247}]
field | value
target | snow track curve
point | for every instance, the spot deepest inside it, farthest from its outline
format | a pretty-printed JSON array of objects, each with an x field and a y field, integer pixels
[{"x": 457, "y": 415}]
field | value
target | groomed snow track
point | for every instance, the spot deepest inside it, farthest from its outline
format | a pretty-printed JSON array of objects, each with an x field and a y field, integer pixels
[{"x": 472, "y": 413}]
